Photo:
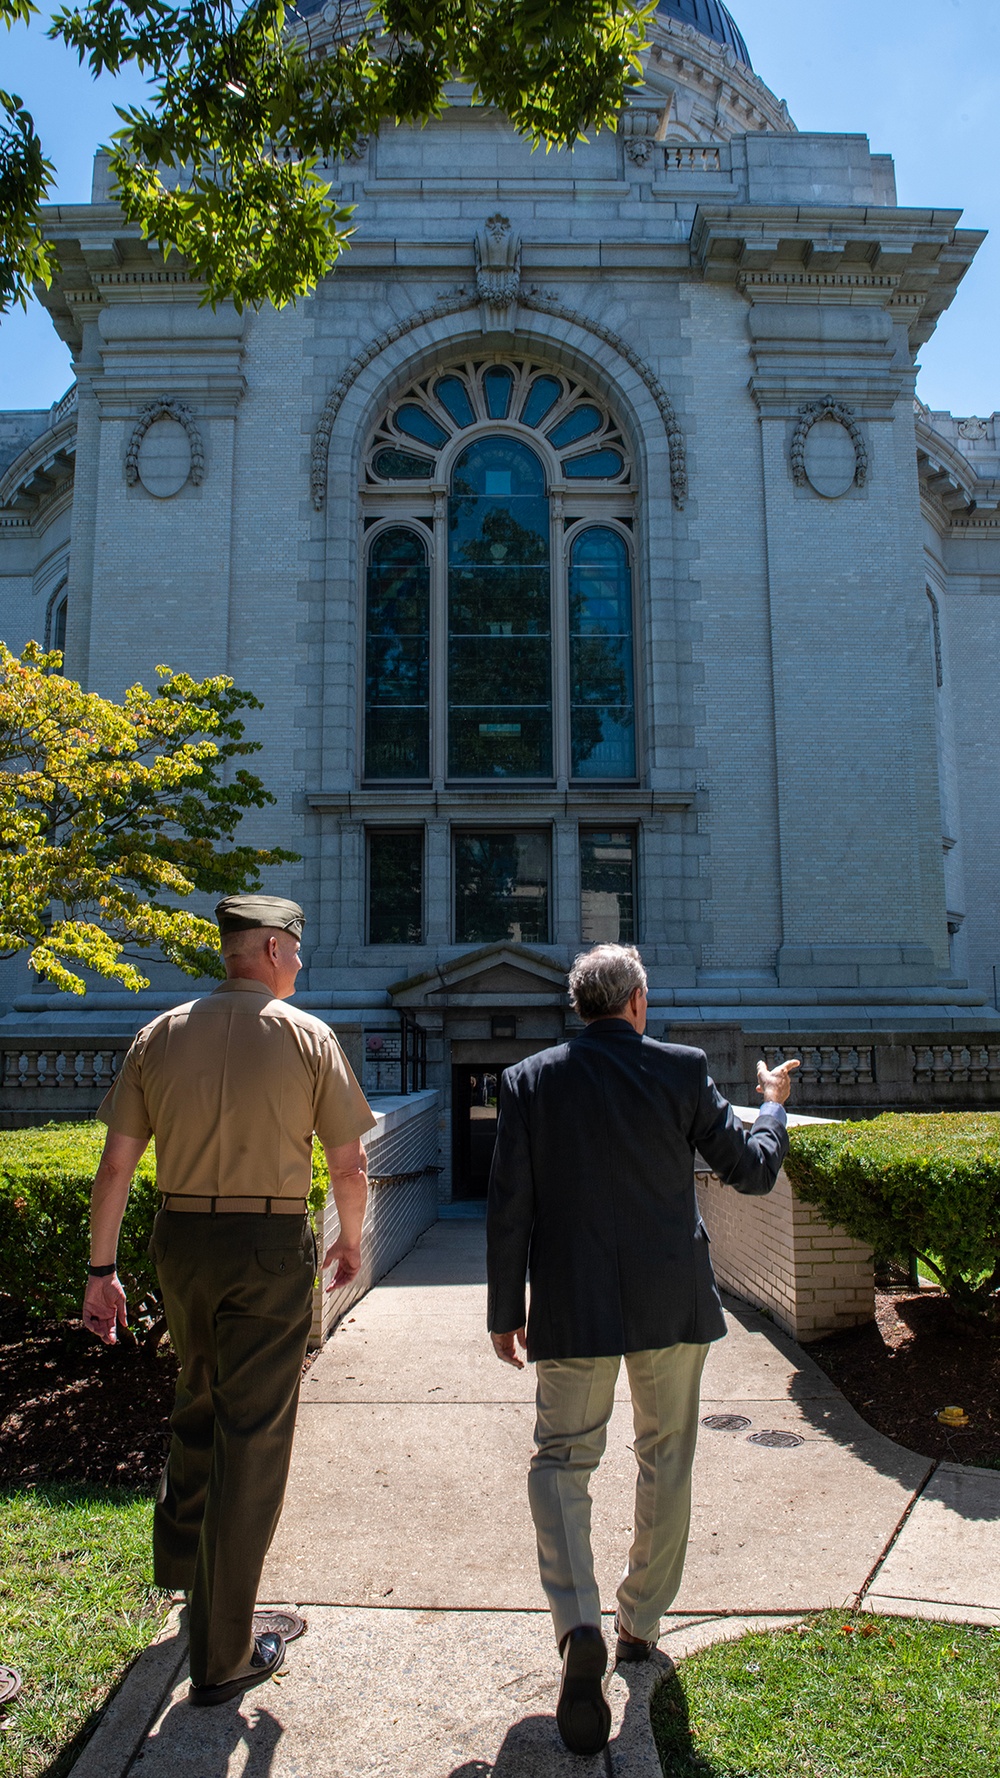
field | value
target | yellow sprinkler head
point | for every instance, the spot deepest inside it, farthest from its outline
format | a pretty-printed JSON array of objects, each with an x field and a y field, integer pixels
[{"x": 953, "y": 1417}]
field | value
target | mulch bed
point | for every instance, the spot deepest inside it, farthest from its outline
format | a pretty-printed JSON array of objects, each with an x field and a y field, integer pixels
[
  {"x": 914, "y": 1359},
  {"x": 72, "y": 1410}
]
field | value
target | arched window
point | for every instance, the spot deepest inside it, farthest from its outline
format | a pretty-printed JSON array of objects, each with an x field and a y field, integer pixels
[
  {"x": 499, "y": 614},
  {"x": 502, "y": 650},
  {"x": 397, "y": 685},
  {"x": 602, "y": 707},
  {"x": 55, "y": 618}
]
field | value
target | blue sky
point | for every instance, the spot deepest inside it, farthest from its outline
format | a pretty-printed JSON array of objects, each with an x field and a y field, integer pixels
[{"x": 921, "y": 78}]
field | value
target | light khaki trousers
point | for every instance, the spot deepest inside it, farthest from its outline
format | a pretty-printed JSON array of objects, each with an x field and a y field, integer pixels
[{"x": 573, "y": 1401}]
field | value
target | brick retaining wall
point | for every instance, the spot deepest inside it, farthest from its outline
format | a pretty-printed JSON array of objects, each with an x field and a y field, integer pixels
[{"x": 778, "y": 1254}]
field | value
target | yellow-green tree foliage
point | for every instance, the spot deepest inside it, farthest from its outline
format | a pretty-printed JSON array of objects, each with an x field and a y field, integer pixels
[{"x": 111, "y": 812}]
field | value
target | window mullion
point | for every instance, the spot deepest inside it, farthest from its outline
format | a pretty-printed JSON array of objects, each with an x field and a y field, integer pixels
[
  {"x": 560, "y": 641},
  {"x": 439, "y": 639}
]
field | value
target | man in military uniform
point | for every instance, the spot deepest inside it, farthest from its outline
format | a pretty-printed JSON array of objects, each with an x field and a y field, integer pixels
[{"x": 232, "y": 1087}]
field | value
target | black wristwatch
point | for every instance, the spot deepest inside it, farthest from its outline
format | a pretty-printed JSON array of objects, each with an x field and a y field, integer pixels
[{"x": 102, "y": 1271}]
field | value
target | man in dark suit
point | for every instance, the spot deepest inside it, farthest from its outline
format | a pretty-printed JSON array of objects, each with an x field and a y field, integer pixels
[{"x": 592, "y": 1191}]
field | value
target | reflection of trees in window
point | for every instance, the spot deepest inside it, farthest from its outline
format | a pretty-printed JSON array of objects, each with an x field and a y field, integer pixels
[
  {"x": 602, "y": 706},
  {"x": 502, "y": 888},
  {"x": 499, "y": 614},
  {"x": 607, "y": 886},
  {"x": 395, "y": 888},
  {"x": 397, "y": 680}
]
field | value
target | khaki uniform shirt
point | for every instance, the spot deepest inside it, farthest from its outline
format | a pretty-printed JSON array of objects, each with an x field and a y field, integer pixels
[{"x": 232, "y": 1087}]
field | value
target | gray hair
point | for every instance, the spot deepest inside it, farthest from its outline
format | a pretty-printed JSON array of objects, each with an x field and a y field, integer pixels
[{"x": 602, "y": 981}]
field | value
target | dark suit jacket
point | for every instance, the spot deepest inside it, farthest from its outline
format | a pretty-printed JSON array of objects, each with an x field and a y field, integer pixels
[{"x": 592, "y": 1193}]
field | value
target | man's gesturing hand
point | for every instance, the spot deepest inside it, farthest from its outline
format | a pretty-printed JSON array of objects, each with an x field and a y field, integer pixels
[
  {"x": 505, "y": 1346},
  {"x": 775, "y": 1084},
  {"x": 104, "y": 1309}
]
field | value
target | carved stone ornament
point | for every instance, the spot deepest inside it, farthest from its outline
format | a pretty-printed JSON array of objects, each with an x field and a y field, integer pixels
[
  {"x": 639, "y": 149},
  {"x": 181, "y": 415},
  {"x": 543, "y": 303},
  {"x": 803, "y": 471},
  {"x": 498, "y": 263},
  {"x": 973, "y": 428}
]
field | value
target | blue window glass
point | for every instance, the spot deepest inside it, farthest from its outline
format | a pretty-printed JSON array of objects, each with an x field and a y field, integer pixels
[
  {"x": 397, "y": 679},
  {"x": 542, "y": 397},
  {"x": 59, "y": 625},
  {"x": 453, "y": 395},
  {"x": 497, "y": 386},
  {"x": 595, "y": 465},
  {"x": 402, "y": 466},
  {"x": 416, "y": 422},
  {"x": 602, "y": 704},
  {"x": 579, "y": 423},
  {"x": 499, "y": 614}
]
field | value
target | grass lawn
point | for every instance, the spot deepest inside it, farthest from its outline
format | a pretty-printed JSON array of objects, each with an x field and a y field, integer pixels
[
  {"x": 841, "y": 1697},
  {"x": 77, "y": 1602}
]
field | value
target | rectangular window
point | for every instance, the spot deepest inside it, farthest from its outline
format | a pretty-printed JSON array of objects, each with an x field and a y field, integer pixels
[
  {"x": 607, "y": 886},
  {"x": 395, "y": 888},
  {"x": 502, "y": 888}
]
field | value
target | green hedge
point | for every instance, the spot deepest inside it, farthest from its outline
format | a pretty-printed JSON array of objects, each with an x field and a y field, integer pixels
[
  {"x": 927, "y": 1183},
  {"x": 45, "y": 1180}
]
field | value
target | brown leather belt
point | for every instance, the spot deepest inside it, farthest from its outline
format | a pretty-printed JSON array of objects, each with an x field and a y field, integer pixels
[{"x": 174, "y": 1201}]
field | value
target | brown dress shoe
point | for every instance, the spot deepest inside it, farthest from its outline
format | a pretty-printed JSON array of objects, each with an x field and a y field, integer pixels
[
  {"x": 630, "y": 1648},
  {"x": 583, "y": 1714}
]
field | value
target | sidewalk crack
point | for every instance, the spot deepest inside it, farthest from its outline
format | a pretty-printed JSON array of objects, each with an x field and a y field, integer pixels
[{"x": 894, "y": 1538}]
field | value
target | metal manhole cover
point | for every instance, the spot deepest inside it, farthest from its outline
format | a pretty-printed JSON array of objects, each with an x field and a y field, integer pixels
[
  {"x": 288, "y": 1624},
  {"x": 10, "y": 1685},
  {"x": 726, "y": 1422},
  {"x": 776, "y": 1441}
]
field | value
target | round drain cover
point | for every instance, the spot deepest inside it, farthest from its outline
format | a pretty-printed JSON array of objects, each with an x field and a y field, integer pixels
[
  {"x": 776, "y": 1441},
  {"x": 288, "y": 1624},
  {"x": 10, "y": 1685},
  {"x": 725, "y": 1422}
]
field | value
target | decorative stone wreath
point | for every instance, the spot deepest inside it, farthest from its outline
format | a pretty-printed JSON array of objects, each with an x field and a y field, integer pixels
[
  {"x": 827, "y": 409},
  {"x": 165, "y": 409}
]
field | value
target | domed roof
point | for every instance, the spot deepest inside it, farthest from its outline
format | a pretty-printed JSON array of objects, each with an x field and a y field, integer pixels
[{"x": 712, "y": 19}]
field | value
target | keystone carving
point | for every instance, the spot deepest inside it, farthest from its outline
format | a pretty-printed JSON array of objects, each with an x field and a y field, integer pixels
[{"x": 498, "y": 263}]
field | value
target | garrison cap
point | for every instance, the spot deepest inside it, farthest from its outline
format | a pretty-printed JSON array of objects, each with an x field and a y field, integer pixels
[{"x": 238, "y": 913}]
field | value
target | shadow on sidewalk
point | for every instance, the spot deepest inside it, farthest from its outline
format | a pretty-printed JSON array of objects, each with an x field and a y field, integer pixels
[
  {"x": 185, "y": 1743},
  {"x": 533, "y": 1747},
  {"x": 827, "y": 1410}
]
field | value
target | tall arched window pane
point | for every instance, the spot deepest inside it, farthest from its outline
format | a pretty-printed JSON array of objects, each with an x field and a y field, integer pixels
[
  {"x": 602, "y": 704},
  {"x": 397, "y": 680},
  {"x": 499, "y": 614}
]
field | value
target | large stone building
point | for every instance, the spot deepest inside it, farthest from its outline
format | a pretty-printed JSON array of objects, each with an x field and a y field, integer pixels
[{"x": 600, "y": 573}]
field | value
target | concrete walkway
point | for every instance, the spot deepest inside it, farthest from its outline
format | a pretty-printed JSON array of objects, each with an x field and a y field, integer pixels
[{"x": 406, "y": 1541}]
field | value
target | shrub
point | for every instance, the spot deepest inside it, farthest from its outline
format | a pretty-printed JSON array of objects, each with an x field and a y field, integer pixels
[
  {"x": 45, "y": 1180},
  {"x": 927, "y": 1183}
]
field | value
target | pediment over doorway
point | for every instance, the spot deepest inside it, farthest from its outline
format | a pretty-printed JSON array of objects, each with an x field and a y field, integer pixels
[{"x": 497, "y": 975}]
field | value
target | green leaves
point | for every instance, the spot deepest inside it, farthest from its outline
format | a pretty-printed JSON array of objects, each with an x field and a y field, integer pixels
[
  {"x": 227, "y": 165},
  {"x": 110, "y": 812},
  {"x": 929, "y": 1182}
]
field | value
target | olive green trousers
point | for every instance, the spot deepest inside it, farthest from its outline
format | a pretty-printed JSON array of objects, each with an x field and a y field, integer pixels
[{"x": 237, "y": 1292}]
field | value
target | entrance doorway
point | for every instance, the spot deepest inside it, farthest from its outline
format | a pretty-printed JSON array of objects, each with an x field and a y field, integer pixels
[{"x": 475, "y": 1093}]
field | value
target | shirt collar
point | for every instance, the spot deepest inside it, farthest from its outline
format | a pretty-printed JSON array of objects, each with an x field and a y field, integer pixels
[
  {"x": 241, "y": 984},
  {"x": 610, "y": 1027}
]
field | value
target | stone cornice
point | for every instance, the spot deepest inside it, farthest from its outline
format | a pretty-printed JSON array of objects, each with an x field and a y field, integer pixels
[
  {"x": 908, "y": 260},
  {"x": 951, "y": 491},
  {"x": 41, "y": 473}
]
